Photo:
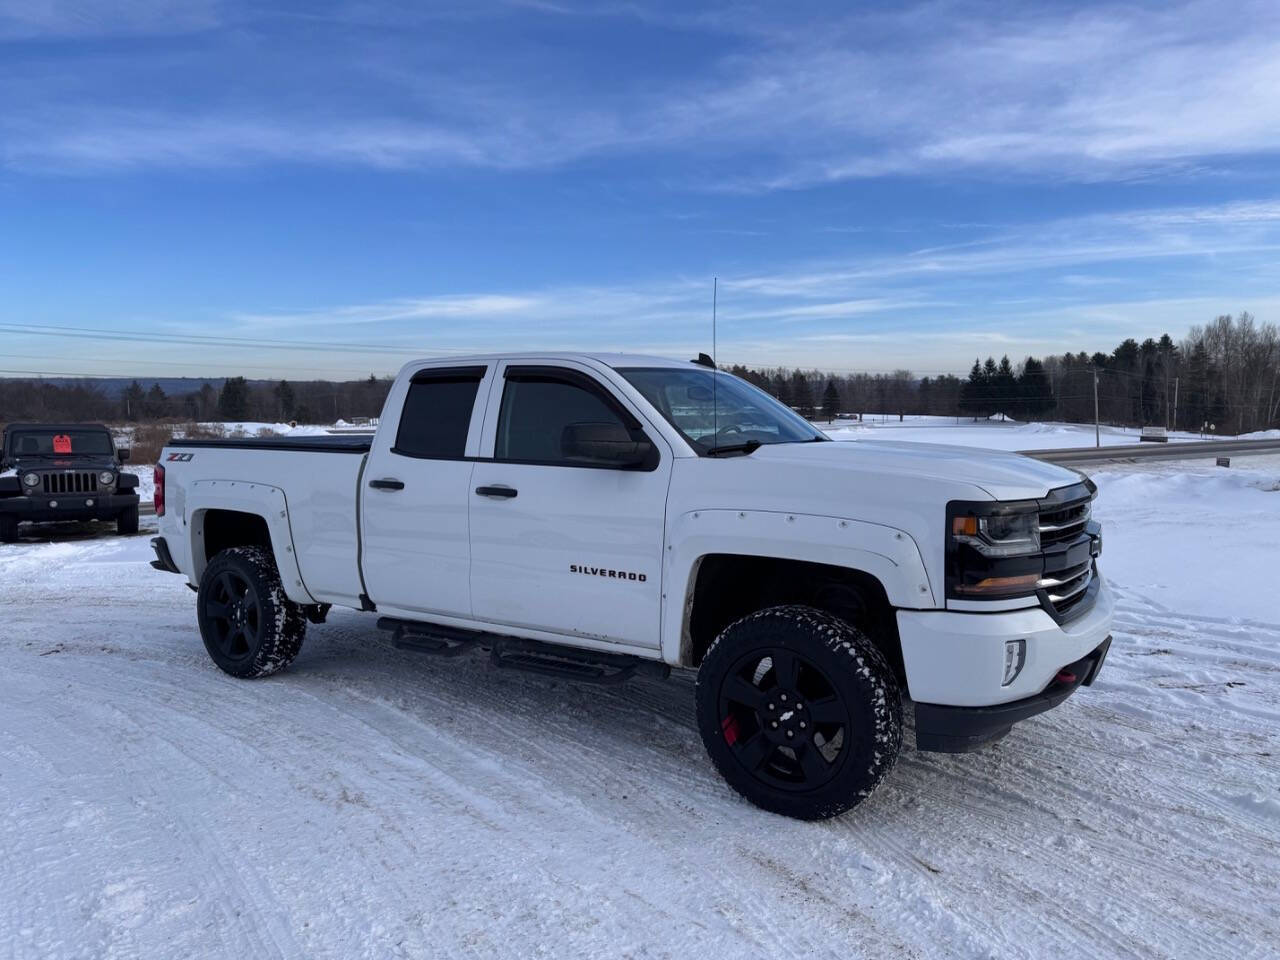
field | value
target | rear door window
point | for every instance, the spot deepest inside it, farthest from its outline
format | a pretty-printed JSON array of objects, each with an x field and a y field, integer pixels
[{"x": 437, "y": 413}]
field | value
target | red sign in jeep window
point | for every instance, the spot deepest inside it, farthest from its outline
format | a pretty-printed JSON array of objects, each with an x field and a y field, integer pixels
[{"x": 62, "y": 443}]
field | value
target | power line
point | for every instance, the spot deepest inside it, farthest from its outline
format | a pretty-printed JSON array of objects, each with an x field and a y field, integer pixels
[{"x": 254, "y": 343}]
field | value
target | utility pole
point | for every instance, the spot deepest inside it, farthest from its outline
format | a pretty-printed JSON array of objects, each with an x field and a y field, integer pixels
[
  {"x": 1097, "y": 432},
  {"x": 1175, "y": 402}
]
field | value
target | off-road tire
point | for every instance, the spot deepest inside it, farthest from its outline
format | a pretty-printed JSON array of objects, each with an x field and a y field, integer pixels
[
  {"x": 267, "y": 633},
  {"x": 127, "y": 521},
  {"x": 8, "y": 529},
  {"x": 841, "y": 667}
]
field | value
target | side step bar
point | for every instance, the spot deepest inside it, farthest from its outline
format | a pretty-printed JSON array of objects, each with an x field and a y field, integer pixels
[
  {"x": 430, "y": 638},
  {"x": 516, "y": 653}
]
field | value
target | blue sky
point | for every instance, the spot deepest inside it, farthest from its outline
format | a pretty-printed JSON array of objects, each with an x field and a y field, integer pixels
[{"x": 344, "y": 186}]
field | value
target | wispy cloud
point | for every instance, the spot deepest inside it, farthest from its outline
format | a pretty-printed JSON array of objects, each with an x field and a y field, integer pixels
[
  {"x": 68, "y": 19},
  {"x": 928, "y": 311},
  {"x": 1082, "y": 93}
]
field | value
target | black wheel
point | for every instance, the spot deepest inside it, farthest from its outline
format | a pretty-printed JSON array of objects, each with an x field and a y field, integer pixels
[
  {"x": 799, "y": 711},
  {"x": 8, "y": 529},
  {"x": 127, "y": 521},
  {"x": 250, "y": 628}
]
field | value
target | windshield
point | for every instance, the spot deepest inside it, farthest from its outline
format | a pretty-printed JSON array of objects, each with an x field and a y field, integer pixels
[
  {"x": 740, "y": 413},
  {"x": 51, "y": 443}
]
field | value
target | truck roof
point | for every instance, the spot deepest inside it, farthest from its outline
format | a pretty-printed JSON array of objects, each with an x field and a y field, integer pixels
[
  {"x": 55, "y": 426},
  {"x": 608, "y": 359}
]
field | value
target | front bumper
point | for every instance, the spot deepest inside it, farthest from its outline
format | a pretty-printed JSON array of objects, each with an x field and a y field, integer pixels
[
  {"x": 76, "y": 506},
  {"x": 957, "y": 659},
  {"x": 947, "y": 729}
]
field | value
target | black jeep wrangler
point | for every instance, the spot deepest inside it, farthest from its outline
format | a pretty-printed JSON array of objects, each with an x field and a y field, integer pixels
[{"x": 63, "y": 471}]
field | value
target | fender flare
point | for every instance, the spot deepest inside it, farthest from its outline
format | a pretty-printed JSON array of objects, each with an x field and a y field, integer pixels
[
  {"x": 259, "y": 500},
  {"x": 886, "y": 553}
]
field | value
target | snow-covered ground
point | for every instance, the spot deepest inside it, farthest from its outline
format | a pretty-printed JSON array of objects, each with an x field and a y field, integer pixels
[
  {"x": 374, "y": 803},
  {"x": 998, "y": 434}
]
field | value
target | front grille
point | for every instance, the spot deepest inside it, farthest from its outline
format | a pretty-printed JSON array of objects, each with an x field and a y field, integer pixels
[
  {"x": 55, "y": 483},
  {"x": 1066, "y": 588},
  {"x": 1063, "y": 522}
]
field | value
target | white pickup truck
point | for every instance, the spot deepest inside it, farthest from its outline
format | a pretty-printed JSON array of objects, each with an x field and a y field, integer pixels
[{"x": 598, "y": 516}]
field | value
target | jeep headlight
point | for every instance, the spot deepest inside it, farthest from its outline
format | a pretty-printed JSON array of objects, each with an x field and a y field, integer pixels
[
  {"x": 106, "y": 478},
  {"x": 31, "y": 479}
]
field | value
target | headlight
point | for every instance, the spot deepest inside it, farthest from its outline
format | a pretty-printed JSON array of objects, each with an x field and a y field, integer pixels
[
  {"x": 1008, "y": 530},
  {"x": 106, "y": 478},
  {"x": 993, "y": 549},
  {"x": 31, "y": 479}
]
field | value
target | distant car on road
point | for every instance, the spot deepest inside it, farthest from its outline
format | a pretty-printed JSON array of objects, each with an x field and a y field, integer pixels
[{"x": 64, "y": 471}]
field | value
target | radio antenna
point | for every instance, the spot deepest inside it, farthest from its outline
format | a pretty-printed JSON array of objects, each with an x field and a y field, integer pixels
[{"x": 715, "y": 406}]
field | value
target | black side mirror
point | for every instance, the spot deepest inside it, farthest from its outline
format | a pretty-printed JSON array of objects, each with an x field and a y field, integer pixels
[
  {"x": 123, "y": 454},
  {"x": 609, "y": 444}
]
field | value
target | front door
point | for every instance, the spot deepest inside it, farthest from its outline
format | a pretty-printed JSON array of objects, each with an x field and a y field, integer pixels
[{"x": 558, "y": 544}]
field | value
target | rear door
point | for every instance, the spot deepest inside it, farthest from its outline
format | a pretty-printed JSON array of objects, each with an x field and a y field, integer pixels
[
  {"x": 416, "y": 492},
  {"x": 557, "y": 545}
]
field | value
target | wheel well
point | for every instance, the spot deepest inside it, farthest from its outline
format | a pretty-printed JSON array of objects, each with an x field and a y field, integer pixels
[
  {"x": 233, "y": 528},
  {"x": 730, "y": 586}
]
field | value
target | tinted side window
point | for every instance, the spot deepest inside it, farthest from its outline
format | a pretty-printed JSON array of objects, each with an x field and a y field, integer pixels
[
  {"x": 535, "y": 411},
  {"x": 437, "y": 416}
]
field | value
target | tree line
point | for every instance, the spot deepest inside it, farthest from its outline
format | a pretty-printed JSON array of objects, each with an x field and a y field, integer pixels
[
  {"x": 237, "y": 399},
  {"x": 1223, "y": 376}
]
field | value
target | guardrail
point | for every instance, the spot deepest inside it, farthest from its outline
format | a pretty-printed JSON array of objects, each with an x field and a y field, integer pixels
[{"x": 1186, "y": 450}]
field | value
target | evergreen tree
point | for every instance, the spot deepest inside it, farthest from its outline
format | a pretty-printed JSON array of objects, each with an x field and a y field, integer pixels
[
  {"x": 1033, "y": 390},
  {"x": 155, "y": 404},
  {"x": 286, "y": 401},
  {"x": 233, "y": 401},
  {"x": 831, "y": 401},
  {"x": 132, "y": 399},
  {"x": 801, "y": 395},
  {"x": 1005, "y": 389},
  {"x": 972, "y": 393}
]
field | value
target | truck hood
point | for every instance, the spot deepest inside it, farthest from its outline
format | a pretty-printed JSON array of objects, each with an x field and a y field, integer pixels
[
  {"x": 67, "y": 461},
  {"x": 1005, "y": 476}
]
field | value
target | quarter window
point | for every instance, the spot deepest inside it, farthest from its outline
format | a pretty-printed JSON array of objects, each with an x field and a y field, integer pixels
[{"x": 437, "y": 414}]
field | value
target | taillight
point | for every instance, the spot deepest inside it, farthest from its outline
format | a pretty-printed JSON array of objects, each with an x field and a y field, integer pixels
[{"x": 157, "y": 497}]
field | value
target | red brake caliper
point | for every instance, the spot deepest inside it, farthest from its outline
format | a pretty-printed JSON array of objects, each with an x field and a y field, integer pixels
[{"x": 730, "y": 728}]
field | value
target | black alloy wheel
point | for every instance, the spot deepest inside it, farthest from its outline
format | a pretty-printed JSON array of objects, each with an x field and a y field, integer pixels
[
  {"x": 783, "y": 719},
  {"x": 249, "y": 626},
  {"x": 799, "y": 710},
  {"x": 235, "y": 613}
]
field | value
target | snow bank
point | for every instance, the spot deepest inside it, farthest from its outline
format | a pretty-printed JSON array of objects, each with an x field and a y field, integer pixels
[
  {"x": 1197, "y": 538},
  {"x": 996, "y": 434}
]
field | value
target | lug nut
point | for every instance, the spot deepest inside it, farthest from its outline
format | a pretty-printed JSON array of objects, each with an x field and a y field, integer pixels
[
  {"x": 790, "y": 734},
  {"x": 801, "y": 724},
  {"x": 782, "y": 696},
  {"x": 772, "y": 707},
  {"x": 775, "y": 724}
]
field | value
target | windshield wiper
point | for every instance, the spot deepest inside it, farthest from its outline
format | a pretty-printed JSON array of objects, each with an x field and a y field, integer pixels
[{"x": 751, "y": 446}]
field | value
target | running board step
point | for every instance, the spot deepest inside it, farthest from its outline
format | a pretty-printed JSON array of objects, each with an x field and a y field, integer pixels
[
  {"x": 515, "y": 653},
  {"x": 585, "y": 666},
  {"x": 435, "y": 639}
]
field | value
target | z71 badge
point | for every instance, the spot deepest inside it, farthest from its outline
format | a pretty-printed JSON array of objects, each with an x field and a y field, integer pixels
[{"x": 179, "y": 457}]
